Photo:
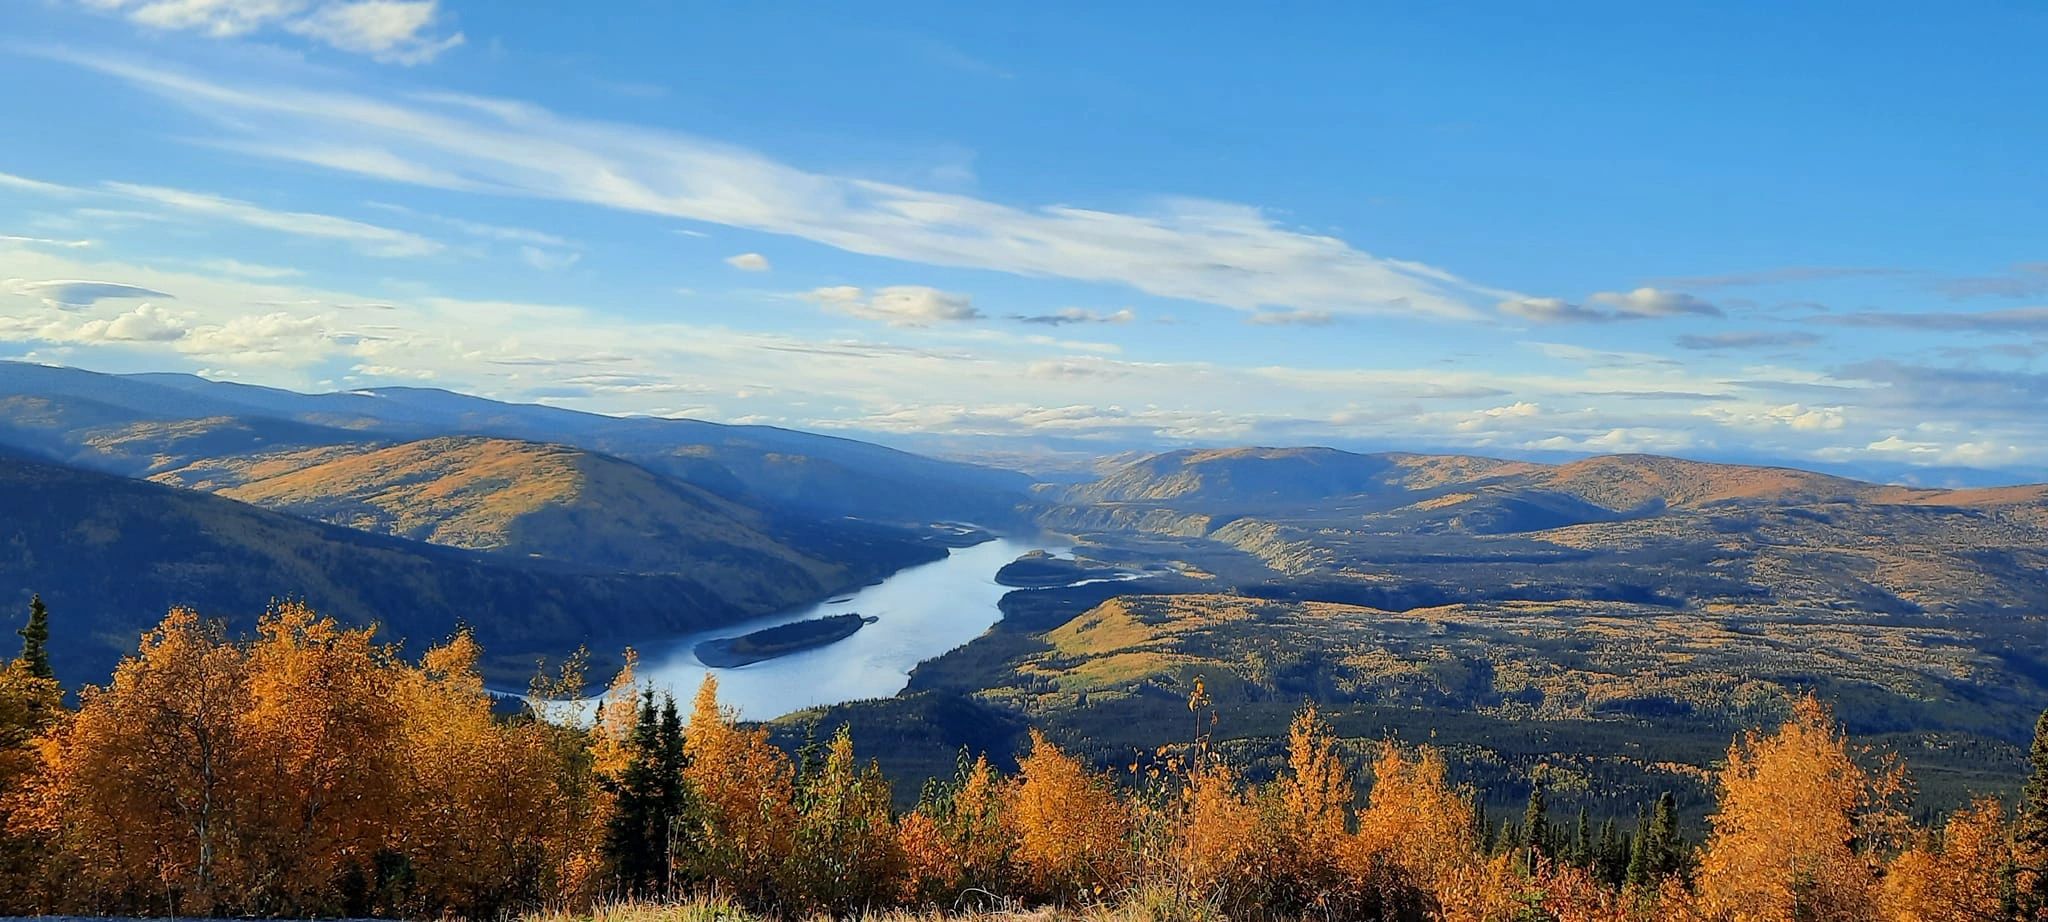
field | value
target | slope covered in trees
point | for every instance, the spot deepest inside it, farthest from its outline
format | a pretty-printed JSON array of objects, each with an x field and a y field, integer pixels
[
  {"x": 310, "y": 769},
  {"x": 109, "y": 548}
]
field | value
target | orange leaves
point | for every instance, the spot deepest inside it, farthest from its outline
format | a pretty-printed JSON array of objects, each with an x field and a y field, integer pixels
[
  {"x": 956, "y": 841},
  {"x": 1795, "y": 829},
  {"x": 305, "y": 771},
  {"x": 1958, "y": 878},
  {"x": 745, "y": 788},
  {"x": 1413, "y": 820},
  {"x": 310, "y": 770},
  {"x": 1067, "y": 823}
]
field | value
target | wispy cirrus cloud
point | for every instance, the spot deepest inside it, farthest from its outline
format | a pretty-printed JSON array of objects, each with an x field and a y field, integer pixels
[
  {"x": 1075, "y": 315},
  {"x": 2013, "y": 320},
  {"x": 2026, "y": 280},
  {"x": 1220, "y": 253},
  {"x": 1779, "y": 276},
  {"x": 373, "y": 239},
  {"x": 396, "y": 31},
  {"x": 1747, "y": 339}
]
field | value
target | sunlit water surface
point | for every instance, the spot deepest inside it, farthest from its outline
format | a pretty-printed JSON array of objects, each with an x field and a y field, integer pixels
[{"x": 923, "y": 611}]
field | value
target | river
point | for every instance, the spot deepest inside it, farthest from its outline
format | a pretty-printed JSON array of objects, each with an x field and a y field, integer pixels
[{"x": 921, "y": 612}]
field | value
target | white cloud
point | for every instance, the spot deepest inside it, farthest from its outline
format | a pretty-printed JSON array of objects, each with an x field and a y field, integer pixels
[
  {"x": 71, "y": 294},
  {"x": 1795, "y": 416},
  {"x": 237, "y": 267},
  {"x": 1072, "y": 315},
  {"x": 1300, "y": 318},
  {"x": 370, "y": 238},
  {"x": 25, "y": 184},
  {"x": 45, "y": 241},
  {"x": 1221, "y": 253},
  {"x": 748, "y": 262},
  {"x": 398, "y": 31},
  {"x": 1620, "y": 439},
  {"x": 548, "y": 260},
  {"x": 1491, "y": 418},
  {"x": 898, "y": 305},
  {"x": 1654, "y": 302},
  {"x": 146, "y": 323},
  {"x": 1640, "y": 304}
]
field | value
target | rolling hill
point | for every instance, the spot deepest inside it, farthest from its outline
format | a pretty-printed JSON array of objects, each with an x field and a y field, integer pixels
[
  {"x": 111, "y": 554},
  {"x": 143, "y": 424},
  {"x": 562, "y": 505}
]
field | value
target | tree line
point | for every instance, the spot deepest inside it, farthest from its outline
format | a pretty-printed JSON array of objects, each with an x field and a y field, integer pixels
[{"x": 311, "y": 770}]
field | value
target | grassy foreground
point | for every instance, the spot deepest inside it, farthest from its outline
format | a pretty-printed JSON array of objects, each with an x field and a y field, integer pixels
[{"x": 1149, "y": 905}]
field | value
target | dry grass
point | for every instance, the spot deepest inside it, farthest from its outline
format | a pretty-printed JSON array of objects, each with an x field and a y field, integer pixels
[{"x": 1139, "y": 905}]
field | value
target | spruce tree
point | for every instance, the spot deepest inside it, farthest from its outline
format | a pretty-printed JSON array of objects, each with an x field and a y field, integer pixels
[
  {"x": 1610, "y": 854},
  {"x": 1536, "y": 824},
  {"x": 35, "y": 640},
  {"x": 648, "y": 833},
  {"x": 2030, "y": 831},
  {"x": 1581, "y": 851},
  {"x": 1639, "y": 865},
  {"x": 1665, "y": 852}
]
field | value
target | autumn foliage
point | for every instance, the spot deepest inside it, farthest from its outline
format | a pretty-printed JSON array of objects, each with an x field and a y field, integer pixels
[{"x": 313, "y": 770}]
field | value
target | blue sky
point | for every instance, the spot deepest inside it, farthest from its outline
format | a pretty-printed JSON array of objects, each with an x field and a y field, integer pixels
[{"x": 1818, "y": 236}]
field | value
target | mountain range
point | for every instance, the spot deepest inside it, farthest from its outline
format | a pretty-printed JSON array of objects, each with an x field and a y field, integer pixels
[
  {"x": 450, "y": 500},
  {"x": 1606, "y": 621}
]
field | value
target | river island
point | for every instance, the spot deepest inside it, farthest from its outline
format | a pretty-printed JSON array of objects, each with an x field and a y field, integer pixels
[{"x": 781, "y": 640}]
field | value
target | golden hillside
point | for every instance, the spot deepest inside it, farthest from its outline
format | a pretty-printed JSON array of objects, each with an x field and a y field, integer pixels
[{"x": 528, "y": 499}]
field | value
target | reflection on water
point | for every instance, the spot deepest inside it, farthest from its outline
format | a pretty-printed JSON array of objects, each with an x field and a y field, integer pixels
[{"x": 924, "y": 611}]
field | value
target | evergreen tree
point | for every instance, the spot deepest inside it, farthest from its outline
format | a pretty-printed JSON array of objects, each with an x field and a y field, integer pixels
[
  {"x": 1639, "y": 870},
  {"x": 1665, "y": 852},
  {"x": 1483, "y": 831},
  {"x": 2030, "y": 832},
  {"x": 1610, "y": 854},
  {"x": 1536, "y": 824},
  {"x": 649, "y": 829},
  {"x": 1580, "y": 853},
  {"x": 35, "y": 639}
]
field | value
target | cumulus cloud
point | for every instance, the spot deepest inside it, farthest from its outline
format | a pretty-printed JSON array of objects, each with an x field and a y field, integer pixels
[
  {"x": 397, "y": 31},
  {"x": 898, "y": 305},
  {"x": 1619, "y": 439},
  {"x": 749, "y": 262},
  {"x": 1493, "y": 417},
  {"x": 1070, "y": 315},
  {"x": 1221, "y": 253},
  {"x": 1794, "y": 416},
  {"x": 1610, "y": 306},
  {"x": 147, "y": 323}
]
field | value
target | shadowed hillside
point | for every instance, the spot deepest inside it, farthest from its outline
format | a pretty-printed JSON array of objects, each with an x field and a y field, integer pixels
[{"x": 115, "y": 553}]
